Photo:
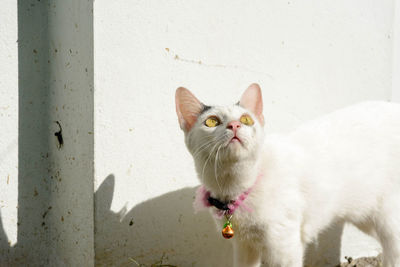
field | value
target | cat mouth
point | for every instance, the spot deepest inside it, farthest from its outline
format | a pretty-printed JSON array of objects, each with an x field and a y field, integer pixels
[{"x": 235, "y": 139}]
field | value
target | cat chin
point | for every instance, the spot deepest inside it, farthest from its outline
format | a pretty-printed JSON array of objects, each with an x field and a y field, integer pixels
[
  {"x": 235, "y": 152},
  {"x": 234, "y": 145}
]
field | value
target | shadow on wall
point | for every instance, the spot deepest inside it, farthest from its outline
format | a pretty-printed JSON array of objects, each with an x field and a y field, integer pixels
[
  {"x": 5, "y": 249},
  {"x": 162, "y": 226},
  {"x": 166, "y": 227}
]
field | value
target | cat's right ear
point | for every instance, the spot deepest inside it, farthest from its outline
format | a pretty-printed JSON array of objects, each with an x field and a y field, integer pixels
[
  {"x": 188, "y": 108},
  {"x": 252, "y": 100}
]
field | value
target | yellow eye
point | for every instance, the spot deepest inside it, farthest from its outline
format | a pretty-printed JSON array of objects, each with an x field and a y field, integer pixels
[
  {"x": 212, "y": 122},
  {"x": 247, "y": 120}
]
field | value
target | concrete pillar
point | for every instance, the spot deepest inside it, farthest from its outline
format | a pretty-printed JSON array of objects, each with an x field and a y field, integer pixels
[{"x": 55, "y": 152}]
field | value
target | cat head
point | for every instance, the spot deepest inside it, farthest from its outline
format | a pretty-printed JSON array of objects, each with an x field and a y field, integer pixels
[{"x": 221, "y": 134}]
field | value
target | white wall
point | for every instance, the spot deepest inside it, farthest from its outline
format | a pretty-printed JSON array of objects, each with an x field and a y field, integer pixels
[
  {"x": 310, "y": 57},
  {"x": 396, "y": 54}
]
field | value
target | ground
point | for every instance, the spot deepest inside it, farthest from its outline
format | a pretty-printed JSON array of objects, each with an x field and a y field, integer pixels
[{"x": 363, "y": 262}]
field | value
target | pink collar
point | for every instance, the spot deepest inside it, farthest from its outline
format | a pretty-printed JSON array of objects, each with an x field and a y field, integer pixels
[{"x": 204, "y": 200}]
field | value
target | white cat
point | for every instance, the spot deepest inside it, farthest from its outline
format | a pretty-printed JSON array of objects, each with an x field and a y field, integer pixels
[{"x": 282, "y": 191}]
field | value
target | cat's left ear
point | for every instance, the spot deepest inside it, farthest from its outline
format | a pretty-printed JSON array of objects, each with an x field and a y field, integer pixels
[
  {"x": 252, "y": 100},
  {"x": 188, "y": 108}
]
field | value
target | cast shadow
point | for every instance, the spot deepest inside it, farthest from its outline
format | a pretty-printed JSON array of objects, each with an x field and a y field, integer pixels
[
  {"x": 165, "y": 226},
  {"x": 5, "y": 248}
]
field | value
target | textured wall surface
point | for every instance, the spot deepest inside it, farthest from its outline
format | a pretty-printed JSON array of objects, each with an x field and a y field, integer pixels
[{"x": 310, "y": 57}]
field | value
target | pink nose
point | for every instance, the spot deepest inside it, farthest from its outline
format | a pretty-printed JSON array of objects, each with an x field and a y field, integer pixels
[{"x": 234, "y": 126}]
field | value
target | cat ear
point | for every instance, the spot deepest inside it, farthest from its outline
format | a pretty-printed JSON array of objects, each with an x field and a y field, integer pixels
[
  {"x": 252, "y": 100},
  {"x": 188, "y": 108}
]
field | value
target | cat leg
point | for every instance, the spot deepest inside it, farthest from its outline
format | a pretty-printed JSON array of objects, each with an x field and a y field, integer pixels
[
  {"x": 285, "y": 249},
  {"x": 287, "y": 257},
  {"x": 325, "y": 250},
  {"x": 388, "y": 230},
  {"x": 246, "y": 255},
  {"x": 390, "y": 241}
]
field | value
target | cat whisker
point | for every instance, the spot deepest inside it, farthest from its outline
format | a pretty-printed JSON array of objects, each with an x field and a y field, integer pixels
[
  {"x": 208, "y": 158},
  {"x": 204, "y": 146},
  {"x": 216, "y": 167},
  {"x": 217, "y": 159}
]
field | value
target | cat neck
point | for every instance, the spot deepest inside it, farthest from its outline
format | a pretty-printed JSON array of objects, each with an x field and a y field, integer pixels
[{"x": 229, "y": 180}]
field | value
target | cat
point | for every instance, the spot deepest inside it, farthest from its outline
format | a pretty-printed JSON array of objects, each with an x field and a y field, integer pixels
[{"x": 278, "y": 192}]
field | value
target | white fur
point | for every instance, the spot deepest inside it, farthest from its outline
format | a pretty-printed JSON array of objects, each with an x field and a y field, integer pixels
[{"x": 343, "y": 167}]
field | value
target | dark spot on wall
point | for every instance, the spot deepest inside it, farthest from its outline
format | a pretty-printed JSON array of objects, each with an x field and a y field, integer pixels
[
  {"x": 46, "y": 212},
  {"x": 59, "y": 136}
]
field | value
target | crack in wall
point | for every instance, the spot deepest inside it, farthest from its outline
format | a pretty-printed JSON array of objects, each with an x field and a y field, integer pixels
[{"x": 175, "y": 56}]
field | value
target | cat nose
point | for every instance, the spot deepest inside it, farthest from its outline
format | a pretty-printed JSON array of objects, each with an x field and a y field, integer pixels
[{"x": 233, "y": 125}]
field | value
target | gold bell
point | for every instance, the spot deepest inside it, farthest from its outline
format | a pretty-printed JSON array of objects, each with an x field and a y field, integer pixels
[{"x": 228, "y": 232}]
